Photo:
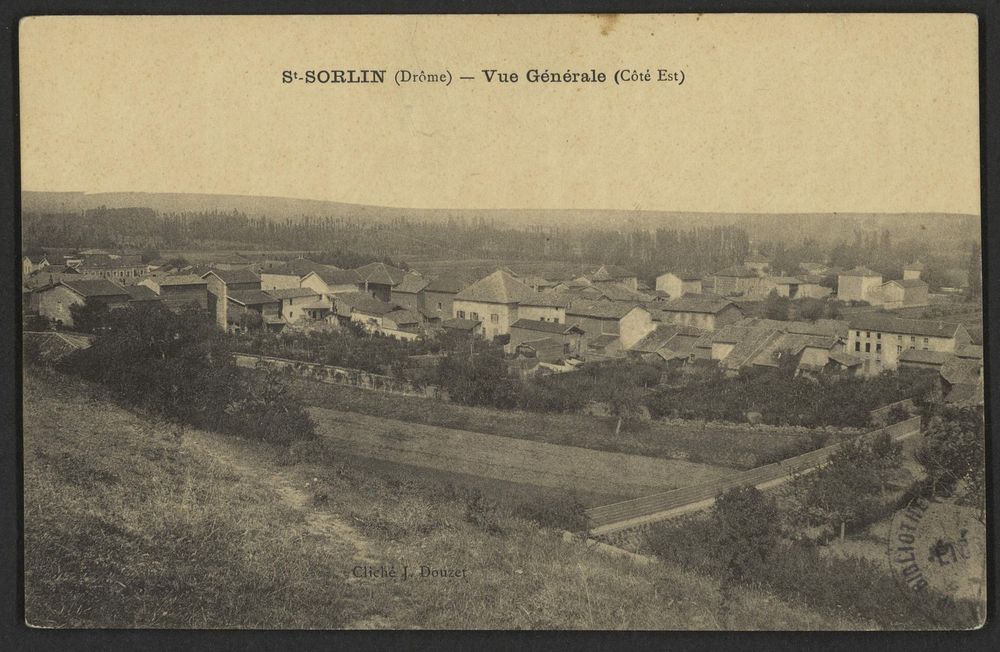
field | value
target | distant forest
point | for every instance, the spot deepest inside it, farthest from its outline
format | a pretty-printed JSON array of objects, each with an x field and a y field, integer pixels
[{"x": 646, "y": 251}]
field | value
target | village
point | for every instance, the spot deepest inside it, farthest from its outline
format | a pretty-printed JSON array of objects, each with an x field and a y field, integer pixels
[{"x": 825, "y": 320}]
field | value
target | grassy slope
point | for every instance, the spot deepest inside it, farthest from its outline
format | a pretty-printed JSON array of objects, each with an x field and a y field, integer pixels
[
  {"x": 131, "y": 523},
  {"x": 734, "y": 445}
]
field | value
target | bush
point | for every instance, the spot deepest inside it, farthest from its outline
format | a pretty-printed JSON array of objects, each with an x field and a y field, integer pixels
[{"x": 563, "y": 511}]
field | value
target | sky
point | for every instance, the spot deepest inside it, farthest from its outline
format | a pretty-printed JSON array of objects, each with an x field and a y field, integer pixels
[{"x": 794, "y": 113}]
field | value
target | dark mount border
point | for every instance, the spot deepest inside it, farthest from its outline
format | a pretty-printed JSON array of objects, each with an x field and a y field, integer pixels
[{"x": 15, "y": 636}]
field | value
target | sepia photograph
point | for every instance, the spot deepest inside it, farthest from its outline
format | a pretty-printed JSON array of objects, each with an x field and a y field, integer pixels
[{"x": 502, "y": 322}]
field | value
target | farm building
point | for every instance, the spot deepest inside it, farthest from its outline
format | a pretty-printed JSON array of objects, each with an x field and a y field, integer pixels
[
  {"x": 904, "y": 293},
  {"x": 678, "y": 284},
  {"x": 668, "y": 341},
  {"x": 378, "y": 279},
  {"x": 331, "y": 282},
  {"x": 738, "y": 280},
  {"x": 707, "y": 312},
  {"x": 546, "y": 306},
  {"x": 247, "y": 309},
  {"x": 568, "y": 336},
  {"x": 439, "y": 294},
  {"x": 466, "y": 326},
  {"x": 290, "y": 274},
  {"x": 54, "y": 301},
  {"x": 179, "y": 290},
  {"x": 881, "y": 339},
  {"x": 607, "y": 274},
  {"x": 859, "y": 284},
  {"x": 300, "y": 303},
  {"x": 222, "y": 282},
  {"x": 409, "y": 292},
  {"x": 604, "y": 321}
]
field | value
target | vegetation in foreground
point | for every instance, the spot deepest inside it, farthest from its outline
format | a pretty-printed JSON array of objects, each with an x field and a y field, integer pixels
[{"x": 134, "y": 522}]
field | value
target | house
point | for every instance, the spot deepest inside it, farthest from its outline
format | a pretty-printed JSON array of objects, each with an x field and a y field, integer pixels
[
  {"x": 904, "y": 293},
  {"x": 362, "y": 308},
  {"x": 409, "y": 292},
  {"x": 669, "y": 342},
  {"x": 378, "y": 279},
  {"x": 331, "y": 282},
  {"x": 811, "y": 287},
  {"x": 626, "y": 323},
  {"x": 230, "y": 261},
  {"x": 543, "y": 349},
  {"x": 616, "y": 292},
  {"x": 300, "y": 303},
  {"x": 54, "y": 301},
  {"x": 112, "y": 268},
  {"x": 785, "y": 286},
  {"x": 678, "y": 284},
  {"x": 493, "y": 300},
  {"x": 246, "y": 309},
  {"x": 704, "y": 311},
  {"x": 736, "y": 345},
  {"x": 912, "y": 271},
  {"x": 844, "y": 362},
  {"x": 614, "y": 274},
  {"x": 439, "y": 293},
  {"x": 859, "y": 284},
  {"x": 179, "y": 290},
  {"x": 222, "y": 282},
  {"x": 567, "y": 336},
  {"x": 290, "y": 274},
  {"x": 546, "y": 306},
  {"x": 50, "y": 275},
  {"x": 31, "y": 264},
  {"x": 466, "y": 326},
  {"x": 403, "y": 324},
  {"x": 738, "y": 280},
  {"x": 142, "y": 295},
  {"x": 962, "y": 382},
  {"x": 880, "y": 339}
]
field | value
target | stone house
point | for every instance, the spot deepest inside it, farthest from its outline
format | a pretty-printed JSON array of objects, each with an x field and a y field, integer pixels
[{"x": 54, "y": 301}]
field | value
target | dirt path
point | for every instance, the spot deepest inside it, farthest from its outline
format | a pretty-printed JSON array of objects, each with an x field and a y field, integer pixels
[{"x": 318, "y": 522}]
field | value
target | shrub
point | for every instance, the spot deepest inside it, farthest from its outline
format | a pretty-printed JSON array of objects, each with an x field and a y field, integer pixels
[{"x": 564, "y": 511}]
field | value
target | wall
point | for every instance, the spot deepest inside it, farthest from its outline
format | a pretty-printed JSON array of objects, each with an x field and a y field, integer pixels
[
  {"x": 55, "y": 302},
  {"x": 892, "y": 345},
  {"x": 859, "y": 288},
  {"x": 432, "y": 299},
  {"x": 506, "y": 315},
  {"x": 217, "y": 300},
  {"x": 409, "y": 300},
  {"x": 291, "y": 309},
  {"x": 634, "y": 326},
  {"x": 278, "y": 281},
  {"x": 542, "y": 313},
  {"x": 196, "y": 293}
]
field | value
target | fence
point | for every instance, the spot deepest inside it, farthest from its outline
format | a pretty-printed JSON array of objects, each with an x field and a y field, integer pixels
[
  {"x": 339, "y": 375},
  {"x": 661, "y": 506}
]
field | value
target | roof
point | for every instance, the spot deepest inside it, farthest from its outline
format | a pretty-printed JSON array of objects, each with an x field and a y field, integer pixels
[
  {"x": 228, "y": 276},
  {"x": 919, "y": 356},
  {"x": 544, "y": 326},
  {"x": 970, "y": 351},
  {"x": 602, "y": 309},
  {"x": 180, "y": 279},
  {"x": 846, "y": 359},
  {"x": 860, "y": 271},
  {"x": 610, "y": 273},
  {"x": 967, "y": 394},
  {"x": 618, "y": 292},
  {"x": 411, "y": 284},
  {"x": 737, "y": 271},
  {"x": 88, "y": 288},
  {"x": 36, "y": 259},
  {"x": 959, "y": 371},
  {"x": 551, "y": 299},
  {"x": 292, "y": 293},
  {"x": 908, "y": 282},
  {"x": 460, "y": 324},
  {"x": 401, "y": 316},
  {"x": 700, "y": 303},
  {"x": 141, "y": 293},
  {"x": 915, "y": 266},
  {"x": 684, "y": 276},
  {"x": 251, "y": 297},
  {"x": 498, "y": 287},
  {"x": 873, "y": 321},
  {"x": 298, "y": 267},
  {"x": 447, "y": 284},
  {"x": 429, "y": 314},
  {"x": 365, "y": 303},
  {"x": 656, "y": 339},
  {"x": 333, "y": 276},
  {"x": 380, "y": 274},
  {"x": 602, "y": 341}
]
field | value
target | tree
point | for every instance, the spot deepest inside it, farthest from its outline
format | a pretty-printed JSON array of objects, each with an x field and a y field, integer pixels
[
  {"x": 626, "y": 404},
  {"x": 953, "y": 454},
  {"x": 975, "y": 271},
  {"x": 776, "y": 306},
  {"x": 812, "y": 309},
  {"x": 90, "y": 317}
]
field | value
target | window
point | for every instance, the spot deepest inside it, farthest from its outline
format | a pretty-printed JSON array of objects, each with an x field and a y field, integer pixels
[
  {"x": 868, "y": 333},
  {"x": 440, "y": 307},
  {"x": 899, "y": 349},
  {"x": 858, "y": 333},
  {"x": 474, "y": 316},
  {"x": 555, "y": 319},
  {"x": 925, "y": 341},
  {"x": 878, "y": 347},
  {"x": 899, "y": 337},
  {"x": 461, "y": 314},
  {"x": 495, "y": 318},
  {"x": 878, "y": 336},
  {"x": 912, "y": 339},
  {"x": 868, "y": 347},
  {"x": 857, "y": 346}
]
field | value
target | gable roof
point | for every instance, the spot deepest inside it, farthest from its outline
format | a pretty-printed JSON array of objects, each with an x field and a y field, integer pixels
[
  {"x": 243, "y": 275},
  {"x": 551, "y": 299},
  {"x": 919, "y": 356},
  {"x": 498, "y": 287},
  {"x": 846, "y": 359},
  {"x": 684, "y": 276},
  {"x": 860, "y": 271},
  {"x": 545, "y": 326},
  {"x": 380, "y": 274},
  {"x": 402, "y": 316},
  {"x": 460, "y": 324},
  {"x": 610, "y": 273},
  {"x": 700, "y": 303},
  {"x": 333, "y": 276},
  {"x": 907, "y": 282},
  {"x": 411, "y": 284},
  {"x": 871, "y": 321},
  {"x": 959, "y": 371},
  {"x": 100, "y": 287},
  {"x": 602, "y": 309},
  {"x": 141, "y": 293},
  {"x": 251, "y": 297},
  {"x": 448, "y": 284},
  {"x": 618, "y": 292},
  {"x": 292, "y": 293},
  {"x": 365, "y": 303},
  {"x": 180, "y": 279}
]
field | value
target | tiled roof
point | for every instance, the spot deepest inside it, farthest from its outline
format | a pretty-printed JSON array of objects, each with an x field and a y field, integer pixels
[
  {"x": 544, "y": 326},
  {"x": 684, "y": 276},
  {"x": 251, "y": 297},
  {"x": 141, "y": 293},
  {"x": 696, "y": 303},
  {"x": 365, "y": 303},
  {"x": 551, "y": 299},
  {"x": 656, "y": 339},
  {"x": 602, "y": 309},
  {"x": 959, "y": 371},
  {"x": 292, "y": 293},
  {"x": 618, "y": 292},
  {"x": 872, "y": 321},
  {"x": 602, "y": 341},
  {"x": 333, "y": 276},
  {"x": 403, "y": 317},
  {"x": 180, "y": 279},
  {"x": 846, "y": 359},
  {"x": 965, "y": 394},
  {"x": 460, "y": 324},
  {"x": 448, "y": 284},
  {"x": 228, "y": 276},
  {"x": 95, "y": 288},
  {"x": 970, "y": 351},
  {"x": 411, "y": 284},
  {"x": 919, "y": 356},
  {"x": 380, "y": 274},
  {"x": 498, "y": 287},
  {"x": 610, "y": 273}
]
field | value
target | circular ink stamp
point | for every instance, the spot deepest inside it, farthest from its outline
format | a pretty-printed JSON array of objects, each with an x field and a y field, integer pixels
[{"x": 937, "y": 553}]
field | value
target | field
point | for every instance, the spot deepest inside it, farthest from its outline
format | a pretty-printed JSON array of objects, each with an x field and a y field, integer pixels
[
  {"x": 727, "y": 445},
  {"x": 608, "y": 476},
  {"x": 130, "y": 522}
]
